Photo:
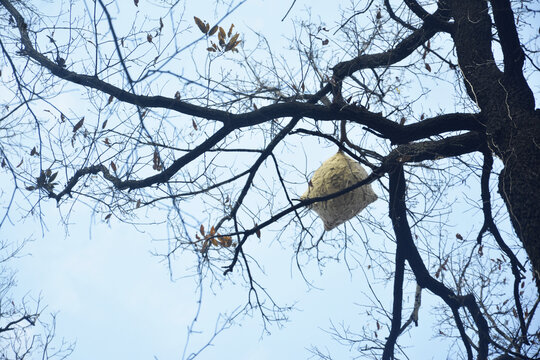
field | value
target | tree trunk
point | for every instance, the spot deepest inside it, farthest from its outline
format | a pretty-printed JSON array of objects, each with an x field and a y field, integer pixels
[{"x": 512, "y": 126}]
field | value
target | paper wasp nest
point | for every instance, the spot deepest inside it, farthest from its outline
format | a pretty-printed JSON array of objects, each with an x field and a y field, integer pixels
[{"x": 335, "y": 174}]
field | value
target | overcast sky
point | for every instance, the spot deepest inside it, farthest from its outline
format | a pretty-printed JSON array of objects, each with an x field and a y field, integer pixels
[{"x": 117, "y": 300}]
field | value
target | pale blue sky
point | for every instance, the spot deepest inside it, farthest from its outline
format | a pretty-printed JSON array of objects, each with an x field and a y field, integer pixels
[{"x": 117, "y": 300}]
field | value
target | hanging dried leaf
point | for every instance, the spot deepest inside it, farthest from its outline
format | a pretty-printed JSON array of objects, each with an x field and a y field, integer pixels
[
  {"x": 113, "y": 166},
  {"x": 325, "y": 42},
  {"x": 157, "y": 161},
  {"x": 53, "y": 176},
  {"x": 258, "y": 232},
  {"x": 78, "y": 125},
  {"x": 34, "y": 151},
  {"x": 200, "y": 24},
  {"x": 106, "y": 141},
  {"x": 232, "y": 43},
  {"x": 138, "y": 205},
  {"x": 20, "y": 163},
  {"x": 194, "y": 124},
  {"x": 160, "y": 24},
  {"x": 205, "y": 246},
  {"x": 149, "y": 38},
  {"x": 226, "y": 241},
  {"x": 221, "y": 35},
  {"x": 459, "y": 237},
  {"x": 4, "y": 163},
  {"x": 428, "y": 68},
  {"x": 230, "y": 30},
  {"x": 234, "y": 38},
  {"x": 104, "y": 124},
  {"x": 211, "y": 49},
  {"x": 108, "y": 217},
  {"x": 177, "y": 95},
  {"x": 62, "y": 117},
  {"x": 213, "y": 30}
]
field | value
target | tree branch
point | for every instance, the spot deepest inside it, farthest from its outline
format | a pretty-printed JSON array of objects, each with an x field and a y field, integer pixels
[
  {"x": 514, "y": 57},
  {"x": 397, "y": 306},
  {"x": 398, "y": 215}
]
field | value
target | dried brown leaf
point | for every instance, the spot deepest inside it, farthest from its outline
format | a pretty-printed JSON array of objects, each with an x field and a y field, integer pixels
[
  {"x": 221, "y": 35},
  {"x": 213, "y": 30},
  {"x": 78, "y": 125},
  {"x": 200, "y": 24}
]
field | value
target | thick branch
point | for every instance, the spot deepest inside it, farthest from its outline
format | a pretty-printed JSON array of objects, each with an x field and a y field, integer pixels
[
  {"x": 514, "y": 57},
  {"x": 397, "y": 306},
  {"x": 437, "y": 20},
  {"x": 398, "y": 214},
  {"x": 386, "y": 58}
]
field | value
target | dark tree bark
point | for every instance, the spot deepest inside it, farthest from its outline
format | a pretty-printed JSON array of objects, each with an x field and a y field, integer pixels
[{"x": 512, "y": 126}]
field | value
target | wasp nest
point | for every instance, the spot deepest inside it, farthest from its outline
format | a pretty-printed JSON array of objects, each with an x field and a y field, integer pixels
[{"x": 335, "y": 174}]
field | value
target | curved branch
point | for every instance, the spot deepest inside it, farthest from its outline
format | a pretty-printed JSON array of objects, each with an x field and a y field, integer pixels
[
  {"x": 439, "y": 20},
  {"x": 162, "y": 177},
  {"x": 489, "y": 224},
  {"x": 398, "y": 215},
  {"x": 396, "y": 18},
  {"x": 389, "y": 57}
]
